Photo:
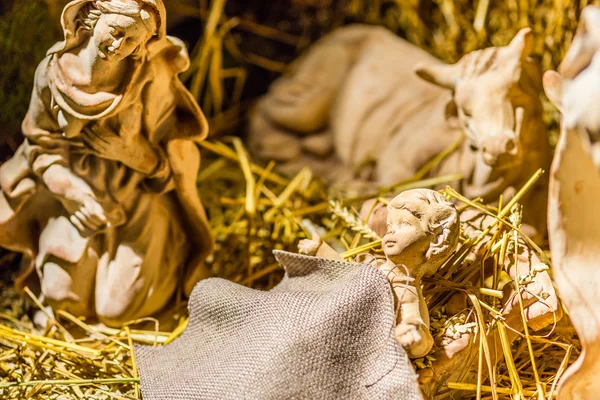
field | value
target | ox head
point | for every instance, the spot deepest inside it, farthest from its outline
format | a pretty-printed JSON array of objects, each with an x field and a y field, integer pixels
[
  {"x": 496, "y": 90},
  {"x": 575, "y": 89}
]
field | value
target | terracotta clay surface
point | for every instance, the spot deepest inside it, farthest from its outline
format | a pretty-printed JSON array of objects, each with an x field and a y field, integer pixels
[
  {"x": 574, "y": 216},
  {"x": 354, "y": 109},
  {"x": 421, "y": 232},
  {"x": 101, "y": 197}
]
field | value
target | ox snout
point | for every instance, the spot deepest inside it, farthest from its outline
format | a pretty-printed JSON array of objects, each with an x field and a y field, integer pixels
[
  {"x": 501, "y": 152},
  {"x": 500, "y": 161}
]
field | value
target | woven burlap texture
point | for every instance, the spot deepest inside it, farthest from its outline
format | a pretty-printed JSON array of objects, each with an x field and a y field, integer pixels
[{"x": 325, "y": 332}]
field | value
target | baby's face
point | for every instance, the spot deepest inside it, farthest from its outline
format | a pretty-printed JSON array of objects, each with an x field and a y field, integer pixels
[{"x": 406, "y": 241}]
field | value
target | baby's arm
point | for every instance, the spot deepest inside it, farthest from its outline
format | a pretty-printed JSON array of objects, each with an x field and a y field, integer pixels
[
  {"x": 412, "y": 318},
  {"x": 317, "y": 247}
]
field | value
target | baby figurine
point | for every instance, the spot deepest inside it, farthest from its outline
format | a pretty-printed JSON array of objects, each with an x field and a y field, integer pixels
[{"x": 422, "y": 231}]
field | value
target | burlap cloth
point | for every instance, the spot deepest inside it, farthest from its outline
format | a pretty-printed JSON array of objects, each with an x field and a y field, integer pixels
[{"x": 325, "y": 332}]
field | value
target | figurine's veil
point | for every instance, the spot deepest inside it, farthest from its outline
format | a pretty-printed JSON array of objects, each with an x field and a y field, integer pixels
[{"x": 72, "y": 34}]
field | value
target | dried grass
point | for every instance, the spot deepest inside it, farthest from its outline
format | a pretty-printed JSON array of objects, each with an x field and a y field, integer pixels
[{"x": 254, "y": 211}]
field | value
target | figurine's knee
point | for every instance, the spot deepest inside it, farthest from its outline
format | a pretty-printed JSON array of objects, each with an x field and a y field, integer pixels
[
  {"x": 113, "y": 311},
  {"x": 119, "y": 287},
  {"x": 62, "y": 292},
  {"x": 116, "y": 306}
]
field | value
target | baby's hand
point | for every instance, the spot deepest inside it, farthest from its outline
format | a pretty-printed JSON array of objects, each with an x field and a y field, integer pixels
[
  {"x": 310, "y": 247},
  {"x": 413, "y": 335},
  {"x": 407, "y": 333}
]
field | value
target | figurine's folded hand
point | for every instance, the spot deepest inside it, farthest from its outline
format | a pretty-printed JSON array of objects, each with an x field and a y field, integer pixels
[
  {"x": 135, "y": 151},
  {"x": 89, "y": 217}
]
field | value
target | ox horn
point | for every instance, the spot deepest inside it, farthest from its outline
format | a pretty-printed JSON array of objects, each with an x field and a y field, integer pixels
[
  {"x": 522, "y": 43},
  {"x": 443, "y": 75}
]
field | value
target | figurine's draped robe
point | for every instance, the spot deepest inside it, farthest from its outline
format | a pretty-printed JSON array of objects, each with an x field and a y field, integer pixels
[{"x": 159, "y": 232}]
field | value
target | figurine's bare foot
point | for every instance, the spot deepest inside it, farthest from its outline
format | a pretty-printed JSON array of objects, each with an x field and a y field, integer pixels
[
  {"x": 310, "y": 247},
  {"x": 455, "y": 346}
]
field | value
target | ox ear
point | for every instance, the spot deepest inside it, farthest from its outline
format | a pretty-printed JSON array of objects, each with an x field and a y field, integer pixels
[
  {"x": 522, "y": 43},
  {"x": 443, "y": 75},
  {"x": 553, "y": 86}
]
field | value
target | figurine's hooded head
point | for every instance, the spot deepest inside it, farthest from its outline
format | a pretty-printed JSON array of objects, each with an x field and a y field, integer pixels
[
  {"x": 159, "y": 58},
  {"x": 152, "y": 13}
]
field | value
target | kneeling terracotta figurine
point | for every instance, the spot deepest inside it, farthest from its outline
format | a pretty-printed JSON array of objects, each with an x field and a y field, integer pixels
[
  {"x": 101, "y": 197},
  {"x": 422, "y": 232}
]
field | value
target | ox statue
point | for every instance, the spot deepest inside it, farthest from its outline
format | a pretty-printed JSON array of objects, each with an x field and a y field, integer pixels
[{"x": 353, "y": 109}]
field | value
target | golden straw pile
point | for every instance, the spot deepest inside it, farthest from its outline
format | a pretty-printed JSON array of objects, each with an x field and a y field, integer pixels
[{"x": 253, "y": 211}]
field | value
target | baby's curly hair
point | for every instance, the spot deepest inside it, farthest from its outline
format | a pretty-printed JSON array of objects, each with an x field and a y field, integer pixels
[{"x": 442, "y": 222}]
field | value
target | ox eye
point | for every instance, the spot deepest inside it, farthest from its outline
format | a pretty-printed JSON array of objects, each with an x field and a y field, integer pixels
[
  {"x": 510, "y": 146},
  {"x": 473, "y": 147}
]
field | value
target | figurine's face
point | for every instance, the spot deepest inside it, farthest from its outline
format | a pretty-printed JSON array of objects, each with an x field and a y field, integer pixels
[
  {"x": 406, "y": 240},
  {"x": 117, "y": 36}
]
